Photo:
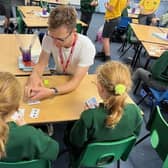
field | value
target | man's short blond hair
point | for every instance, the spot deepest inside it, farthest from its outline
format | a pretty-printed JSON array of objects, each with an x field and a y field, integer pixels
[{"x": 62, "y": 16}]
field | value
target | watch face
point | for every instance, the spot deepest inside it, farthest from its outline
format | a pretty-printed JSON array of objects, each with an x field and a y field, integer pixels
[{"x": 55, "y": 90}]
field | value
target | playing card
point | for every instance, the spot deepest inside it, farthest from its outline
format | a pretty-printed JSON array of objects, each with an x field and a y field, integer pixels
[
  {"x": 34, "y": 113},
  {"x": 31, "y": 102},
  {"x": 92, "y": 103},
  {"x": 18, "y": 114}
]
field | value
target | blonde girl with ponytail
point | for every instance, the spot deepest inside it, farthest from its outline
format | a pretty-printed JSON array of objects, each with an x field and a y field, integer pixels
[
  {"x": 114, "y": 118},
  {"x": 17, "y": 141},
  {"x": 10, "y": 95}
]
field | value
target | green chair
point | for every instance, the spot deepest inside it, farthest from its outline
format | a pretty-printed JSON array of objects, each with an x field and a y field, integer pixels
[
  {"x": 44, "y": 4},
  {"x": 159, "y": 127},
  {"x": 20, "y": 22},
  {"x": 165, "y": 164},
  {"x": 100, "y": 154},
  {"x": 130, "y": 39},
  {"x": 79, "y": 27},
  {"x": 26, "y": 164}
]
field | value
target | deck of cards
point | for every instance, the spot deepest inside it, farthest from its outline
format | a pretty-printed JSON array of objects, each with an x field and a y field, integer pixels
[{"x": 92, "y": 103}]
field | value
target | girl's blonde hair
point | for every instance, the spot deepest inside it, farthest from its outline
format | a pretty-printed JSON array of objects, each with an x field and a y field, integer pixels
[
  {"x": 10, "y": 95},
  {"x": 111, "y": 75}
]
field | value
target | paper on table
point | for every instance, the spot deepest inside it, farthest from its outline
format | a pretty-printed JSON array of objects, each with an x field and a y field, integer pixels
[{"x": 162, "y": 36}]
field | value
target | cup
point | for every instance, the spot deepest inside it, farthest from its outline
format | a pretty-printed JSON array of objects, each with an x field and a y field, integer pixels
[
  {"x": 26, "y": 55},
  {"x": 133, "y": 10},
  {"x": 44, "y": 11}
]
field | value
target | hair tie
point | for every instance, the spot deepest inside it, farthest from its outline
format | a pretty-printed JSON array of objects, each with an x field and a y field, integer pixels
[{"x": 119, "y": 89}]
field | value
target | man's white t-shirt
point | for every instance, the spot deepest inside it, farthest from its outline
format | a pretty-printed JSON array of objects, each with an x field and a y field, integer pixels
[{"x": 82, "y": 56}]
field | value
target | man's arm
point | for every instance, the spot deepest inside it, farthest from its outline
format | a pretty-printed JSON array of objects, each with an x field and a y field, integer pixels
[
  {"x": 42, "y": 63},
  {"x": 35, "y": 78},
  {"x": 42, "y": 92},
  {"x": 74, "y": 82}
]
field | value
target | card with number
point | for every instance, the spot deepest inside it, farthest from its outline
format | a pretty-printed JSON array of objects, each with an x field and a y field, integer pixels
[{"x": 34, "y": 113}]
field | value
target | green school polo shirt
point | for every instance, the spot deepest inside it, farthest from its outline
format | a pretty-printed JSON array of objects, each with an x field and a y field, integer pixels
[
  {"x": 86, "y": 7},
  {"x": 27, "y": 143}
]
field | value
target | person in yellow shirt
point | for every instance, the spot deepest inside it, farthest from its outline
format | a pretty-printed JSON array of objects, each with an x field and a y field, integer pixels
[
  {"x": 113, "y": 13},
  {"x": 147, "y": 11}
]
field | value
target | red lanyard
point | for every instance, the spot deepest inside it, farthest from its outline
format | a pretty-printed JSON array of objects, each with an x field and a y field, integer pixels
[{"x": 65, "y": 65}]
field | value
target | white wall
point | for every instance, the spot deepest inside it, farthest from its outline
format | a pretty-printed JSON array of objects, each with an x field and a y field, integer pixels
[{"x": 75, "y": 2}]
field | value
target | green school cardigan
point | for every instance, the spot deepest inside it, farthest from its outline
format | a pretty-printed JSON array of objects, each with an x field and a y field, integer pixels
[{"x": 27, "y": 143}]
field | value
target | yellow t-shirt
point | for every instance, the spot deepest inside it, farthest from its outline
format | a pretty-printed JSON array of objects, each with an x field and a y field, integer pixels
[
  {"x": 118, "y": 7},
  {"x": 149, "y": 6}
]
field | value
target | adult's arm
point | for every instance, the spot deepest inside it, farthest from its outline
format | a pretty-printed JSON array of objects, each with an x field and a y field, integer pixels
[
  {"x": 34, "y": 80},
  {"x": 42, "y": 92}
]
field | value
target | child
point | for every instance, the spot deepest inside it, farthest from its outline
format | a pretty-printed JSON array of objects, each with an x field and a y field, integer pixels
[
  {"x": 87, "y": 9},
  {"x": 147, "y": 11},
  {"x": 112, "y": 16},
  {"x": 114, "y": 119},
  {"x": 20, "y": 142}
]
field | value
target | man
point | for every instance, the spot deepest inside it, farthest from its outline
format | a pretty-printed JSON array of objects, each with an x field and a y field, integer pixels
[
  {"x": 147, "y": 11},
  {"x": 73, "y": 54},
  {"x": 113, "y": 13},
  {"x": 87, "y": 10}
]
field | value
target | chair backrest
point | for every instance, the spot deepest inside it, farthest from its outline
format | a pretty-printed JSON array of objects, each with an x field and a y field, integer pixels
[
  {"x": 79, "y": 27},
  {"x": 123, "y": 23},
  {"x": 159, "y": 129},
  {"x": 26, "y": 164},
  {"x": 20, "y": 22},
  {"x": 104, "y": 153},
  {"x": 44, "y": 4},
  {"x": 165, "y": 163}
]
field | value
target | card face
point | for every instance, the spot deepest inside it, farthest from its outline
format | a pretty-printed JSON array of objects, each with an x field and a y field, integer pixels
[
  {"x": 31, "y": 102},
  {"x": 18, "y": 114},
  {"x": 34, "y": 113},
  {"x": 92, "y": 103}
]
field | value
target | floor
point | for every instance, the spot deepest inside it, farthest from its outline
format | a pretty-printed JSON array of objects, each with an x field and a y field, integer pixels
[{"x": 142, "y": 156}]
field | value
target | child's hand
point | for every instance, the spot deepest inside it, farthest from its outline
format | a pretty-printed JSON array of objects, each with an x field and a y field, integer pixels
[
  {"x": 91, "y": 103},
  {"x": 20, "y": 121}
]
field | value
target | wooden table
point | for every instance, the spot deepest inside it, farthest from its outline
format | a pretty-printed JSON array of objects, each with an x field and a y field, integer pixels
[
  {"x": 57, "y": 2},
  {"x": 9, "y": 47},
  {"x": 32, "y": 18},
  {"x": 66, "y": 107},
  {"x": 145, "y": 33},
  {"x": 153, "y": 50}
]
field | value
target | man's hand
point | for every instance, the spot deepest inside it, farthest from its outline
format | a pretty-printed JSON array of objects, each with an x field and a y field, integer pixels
[
  {"x": 34, "y": 81},
  {"x": 39, "y": 93}
]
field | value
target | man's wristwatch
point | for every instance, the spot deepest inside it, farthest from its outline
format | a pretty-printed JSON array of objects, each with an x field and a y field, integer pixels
[{"x": 55, "y": 90}]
